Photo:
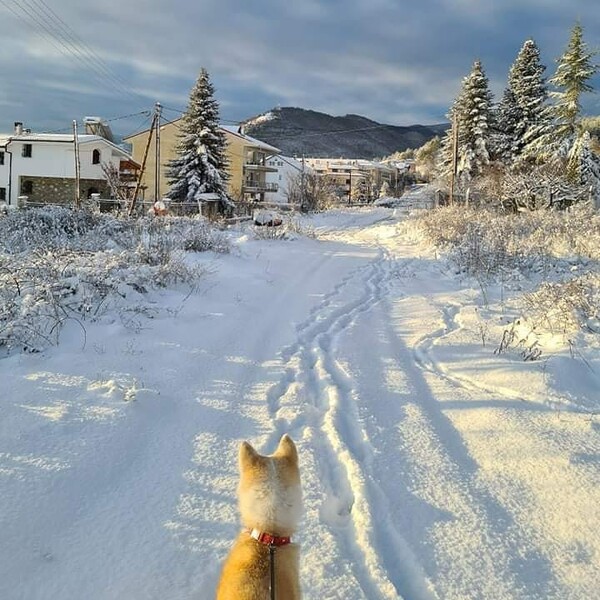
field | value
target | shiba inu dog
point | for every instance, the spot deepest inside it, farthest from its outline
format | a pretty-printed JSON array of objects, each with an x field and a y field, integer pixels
[{"x": 270, "y": 502}]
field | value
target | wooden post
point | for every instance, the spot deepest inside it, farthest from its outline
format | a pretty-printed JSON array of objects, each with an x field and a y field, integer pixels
[
  {"x": 139, "y": 181},
  {"x": 454, "y": 158},
  {"x": 77, "y": 167},
  {"x": 157, "y": 195}
]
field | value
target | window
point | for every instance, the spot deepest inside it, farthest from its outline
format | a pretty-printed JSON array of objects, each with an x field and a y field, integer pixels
[
  {"x": 26, "y": 187},
  {"x": 27, "y": 151},
  {"x": 96, "y": 157},
  {"x": 2, "y": 194},
  {"x": 1, "y": 158}
]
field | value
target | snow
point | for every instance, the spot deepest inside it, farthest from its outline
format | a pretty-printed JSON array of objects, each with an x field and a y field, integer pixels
[{"x": 432, "y": 467}]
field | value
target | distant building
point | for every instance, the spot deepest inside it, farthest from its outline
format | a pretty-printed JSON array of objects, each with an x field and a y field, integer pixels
[
  {"x": 355, "y": 180},
  {"x": 286, "y": 169},
  {"x": 41, "y": 166}
]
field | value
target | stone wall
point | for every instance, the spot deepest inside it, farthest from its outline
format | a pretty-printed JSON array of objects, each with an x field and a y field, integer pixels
[{"x": 59, "y": 190}]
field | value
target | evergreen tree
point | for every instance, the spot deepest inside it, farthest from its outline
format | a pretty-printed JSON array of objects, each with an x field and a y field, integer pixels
[
  {"x": 587, "y": 165},
  {"x": 507, "y": 132},
  {"x": 575, "y": 69},
  {"x": 444, "y": 162},
  {"x": 473, "y": 120},
  {"x": 527, "y": 84},
  {"x": 201, "y": 163}
]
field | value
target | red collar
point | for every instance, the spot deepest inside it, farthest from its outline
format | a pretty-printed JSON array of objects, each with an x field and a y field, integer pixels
[{"x": 269, "y": 539}]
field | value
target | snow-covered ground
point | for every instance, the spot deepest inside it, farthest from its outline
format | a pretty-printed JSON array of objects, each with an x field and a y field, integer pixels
[{"x": 432, "y": 467}]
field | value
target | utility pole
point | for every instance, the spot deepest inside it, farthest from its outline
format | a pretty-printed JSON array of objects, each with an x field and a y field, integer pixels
[
  {"x": 454, "y": 158},
  {"x": 143, "y": 167},
  {"x": 77, "y": 166},
  {"x": 350, "y": 186},
  {"x": 158, "y": 111},
  {"x": 302, "y": 188}
]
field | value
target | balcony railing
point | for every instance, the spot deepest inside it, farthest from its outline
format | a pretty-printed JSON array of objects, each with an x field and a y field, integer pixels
[
  {"x": 260, "y": 186},
  {"x": 257, "y": 165}
]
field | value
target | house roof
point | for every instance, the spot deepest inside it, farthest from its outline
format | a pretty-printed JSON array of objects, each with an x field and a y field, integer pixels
[
  {"x": 61, "y": 138},
  {"x": 232, "y": 129},
  {"x": 229, "y": 129}
]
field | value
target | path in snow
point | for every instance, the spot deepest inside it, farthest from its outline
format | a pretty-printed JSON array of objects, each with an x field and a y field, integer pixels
[{"x": 420, "y": 480}]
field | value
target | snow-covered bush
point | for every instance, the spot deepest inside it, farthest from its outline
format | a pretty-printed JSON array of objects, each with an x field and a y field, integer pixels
[
  {"x": 61, "y": 227},
  {"x": 557, "y": 251},
  {"x": 57, "y": 264},
  {"x": 566, "y": 306},
  {"x": 486, "y": 243}
]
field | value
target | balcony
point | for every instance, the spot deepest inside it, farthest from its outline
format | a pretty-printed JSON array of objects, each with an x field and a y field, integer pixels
[
  {"x": 257, "y": 161},
  {"x": 257, "y": 165},
  {"x": 251, "y": 186}
]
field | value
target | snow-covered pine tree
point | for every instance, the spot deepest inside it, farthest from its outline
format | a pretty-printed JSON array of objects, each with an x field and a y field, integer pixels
[
  {"x": 587, "y": 165},
  {"x": 575, "y": 68},
  {"x": 507, "y": 133},
  {"x": 201, "y": 163},
  {"x": 443, "y": 165},
  {"x": 473, "y": 121},
  {"x": 526, "y": 81}
]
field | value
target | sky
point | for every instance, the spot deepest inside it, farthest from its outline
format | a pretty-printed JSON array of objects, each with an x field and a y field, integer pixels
[{"x": 398, "y": 63}]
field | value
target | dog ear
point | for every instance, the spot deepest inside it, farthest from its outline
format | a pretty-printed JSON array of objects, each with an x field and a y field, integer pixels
[
  {"x": 247, "y": 455},
  {"x": 287, "y": 448}
]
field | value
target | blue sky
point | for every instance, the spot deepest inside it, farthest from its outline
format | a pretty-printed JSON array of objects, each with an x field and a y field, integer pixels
[{"x": 394, "y": 61}]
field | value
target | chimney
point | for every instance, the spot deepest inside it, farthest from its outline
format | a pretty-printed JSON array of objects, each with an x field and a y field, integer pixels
[{"x": 18, "y": 128}]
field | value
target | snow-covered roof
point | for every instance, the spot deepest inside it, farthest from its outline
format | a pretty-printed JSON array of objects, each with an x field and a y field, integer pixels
[
  {"x": 61, "y": 138},
  {"x": 253, "y": 141},
  {"x": 231, "y": 129}
]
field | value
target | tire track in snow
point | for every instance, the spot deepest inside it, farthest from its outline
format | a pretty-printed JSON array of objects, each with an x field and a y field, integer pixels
[{"x": 354, "y": 507}]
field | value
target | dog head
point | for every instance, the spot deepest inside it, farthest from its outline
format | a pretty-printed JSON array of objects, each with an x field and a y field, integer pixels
[{"x": 270, "y": 495}]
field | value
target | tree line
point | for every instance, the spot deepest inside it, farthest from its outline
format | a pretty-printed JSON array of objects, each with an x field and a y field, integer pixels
[{"x": 533, "y": 148}]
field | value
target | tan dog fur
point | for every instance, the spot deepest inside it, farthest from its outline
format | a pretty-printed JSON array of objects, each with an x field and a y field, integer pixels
[{"x": 270, "y": 500}]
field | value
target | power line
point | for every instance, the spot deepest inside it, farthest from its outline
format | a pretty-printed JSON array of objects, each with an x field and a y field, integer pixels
[
  {"x": 69, "y": 44},
  {"x": 144, "y": 113},
  {"x": 181, "y": 111},
  {"x": 72, "y": 35}
]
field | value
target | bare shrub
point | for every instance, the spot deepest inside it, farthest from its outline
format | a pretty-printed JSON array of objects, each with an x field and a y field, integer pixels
[
  {"x": 74, "y": 265},
  {"x": 62, "y": 227},
  {"x": 566, "y": 306},
  {"x": 484, "y": 242}
]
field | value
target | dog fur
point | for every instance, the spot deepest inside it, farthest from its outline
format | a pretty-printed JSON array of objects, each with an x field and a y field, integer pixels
[{"x": 270, "y": 500}]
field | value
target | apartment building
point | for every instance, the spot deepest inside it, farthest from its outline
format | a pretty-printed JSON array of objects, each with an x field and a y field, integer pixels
[
  {"x": 247, "y": 159},
  {"x": 355, "y": 180},
  {"x": 286, "y": 171},
  {"x": 249, "y": 166}
]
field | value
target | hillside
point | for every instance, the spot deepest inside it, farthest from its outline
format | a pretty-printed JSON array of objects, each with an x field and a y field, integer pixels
[{"x": 296, "y": 131}]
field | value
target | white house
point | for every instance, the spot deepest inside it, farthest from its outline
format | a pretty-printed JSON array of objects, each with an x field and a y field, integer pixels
[
  {"x": 41, "y": 166},
  {"x": 287, "y": 169}
]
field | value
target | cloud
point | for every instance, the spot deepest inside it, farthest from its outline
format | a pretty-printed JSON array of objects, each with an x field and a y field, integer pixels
[{"x": 394, "y": 62}]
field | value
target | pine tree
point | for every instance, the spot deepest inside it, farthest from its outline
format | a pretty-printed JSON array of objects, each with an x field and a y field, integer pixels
[
  {"x": 527, "y": 84},
  {"x": 574, "y": 70},
  {"x": 507, "y": 133},
  {"x": 473, "y": 120},
  {"x": 444, "y": 162},
  {"x": 201, "y": 163},
  {"x": 587, "y": 165}
]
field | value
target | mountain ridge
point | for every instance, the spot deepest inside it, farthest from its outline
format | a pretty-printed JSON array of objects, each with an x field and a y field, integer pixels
[{"x": 298, "y": 131}]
